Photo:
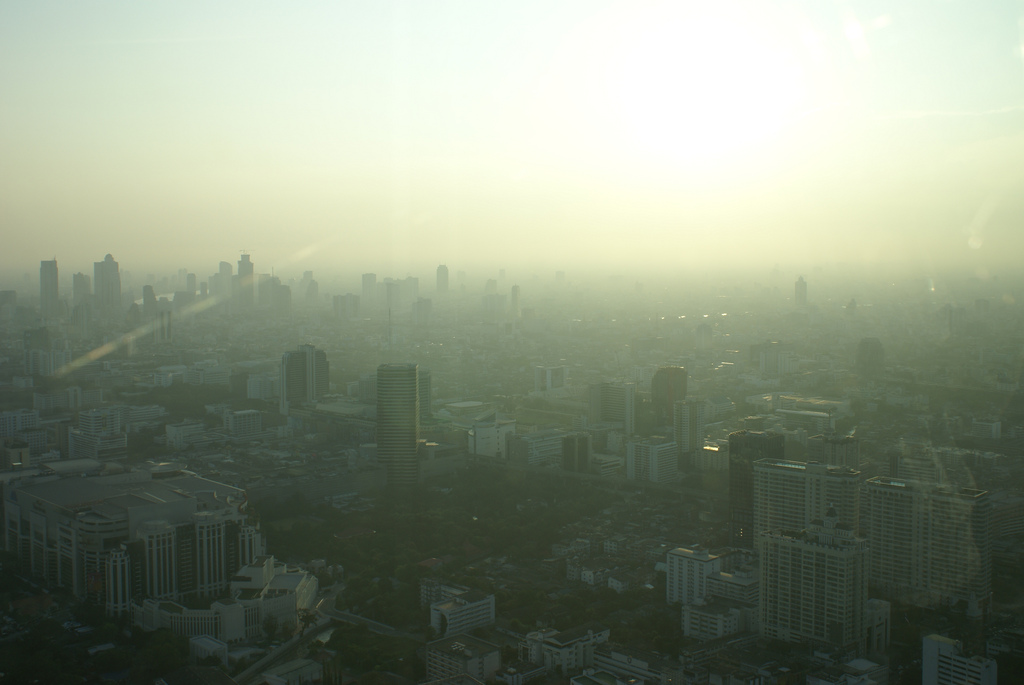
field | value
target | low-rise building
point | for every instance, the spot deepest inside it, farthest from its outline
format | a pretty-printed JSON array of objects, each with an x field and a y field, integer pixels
[
  {"x": 462, "y": 613},
  {"x": 462, "y": 655}
]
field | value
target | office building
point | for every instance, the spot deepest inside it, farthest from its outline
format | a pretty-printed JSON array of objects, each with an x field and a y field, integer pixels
[
  {"x": 368, "y": 300},
  {"x": 814, "y": 587},
  {"x": 442, "y": 280},
  {"x": 426, "y": 390},
  {"x": 49, "y": 295},
  {"x": 539, "y": 448},
  {"x": 547, "y": 378},
  {"x": 398, "y": 422},
  {"x": 567, "y": 651},
  {"x": 800, "y": 292},
  {"x": 514, "y": 307},
  {"x": 789, "y": 495},
  {"x": 652, "y": 459},
  {"x": 81, "y": 289},
  {"x": 943, "y": 663},
  {"x": 265, "y": 589},
  {"x": 746, "y": 447},
  {"x": 837, "y": 450},
  {"x": 614, "y": 403},
  {"x": 576, "y": 453},
  {"x": 688, "y": 573},
  {"x": 931, "y": 544},
  {"x": 462, "y": 613},
  {"x": 689, "y": 417},
  {"x": 246, "y": 282},
  {"x": 99, "y": 435},
  {"x": 305, "y": 376},
  {"x": 44, "y": 354},
  {"x": 117, "y": 539},
  {"x": 462, "y": 655},
  {"x": 668, "y": 386},
  {"x": 107, "y": 286}
]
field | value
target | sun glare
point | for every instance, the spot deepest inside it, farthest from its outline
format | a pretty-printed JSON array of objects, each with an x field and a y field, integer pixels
[
  {"x": 703, "y": 83},
  {"x": 682, "y": 82}
]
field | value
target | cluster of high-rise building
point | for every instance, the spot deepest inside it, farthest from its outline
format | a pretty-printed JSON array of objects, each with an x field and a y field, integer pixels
[{"x": 822, "y": 536}]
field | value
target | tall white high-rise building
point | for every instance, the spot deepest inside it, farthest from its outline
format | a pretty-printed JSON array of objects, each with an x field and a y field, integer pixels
[
  {"x": 789, "y": 495},
  {"x": 688, "y": 421},
  {"x": 814, "y": 586},
  {"x": 931, "y": 545},
  {"x": 688, "y": 574}
]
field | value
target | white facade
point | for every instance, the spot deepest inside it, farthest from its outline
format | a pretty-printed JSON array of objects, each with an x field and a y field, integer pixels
[
  {"x": 243, "y": 423},
  {"x": 688, "y": 573},
  {"x": 943, "y": 663},
  {"x": 462, "y": 613},
  {"x": 654, "y": 459},
  {"x": 814, "y": 586}
]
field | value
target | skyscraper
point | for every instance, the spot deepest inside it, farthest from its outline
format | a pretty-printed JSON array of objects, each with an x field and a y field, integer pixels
[
  {"x": 930, "y": 544},
  {"x": 746, "y": 447},
  {"x": 81, "y": 289},
  {"x": 668, "y": 386},
  {"x": 789, "y": 495},
  {"x": 576, "y": 454},
  {"x": 614, "y": 403},
  {"x": 514, "y": 308},
  {"x": 814, "y": 586},
  {"x": 398, "y": 422},
  {"x": 246, "y": 282},
  {"x": 304, "y": 376},
  {"x": 800, "y": 292},
  {"x": 49, "y": 297},
  {"x": 688, "y": 419},
  {"x": 442, "y": 279},
  {"x": 107, "y": 284},
  {"x": 369, "y": 293}
]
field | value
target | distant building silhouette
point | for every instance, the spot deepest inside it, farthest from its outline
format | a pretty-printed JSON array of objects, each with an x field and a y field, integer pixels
[
  {"x": 576, "y": 454},
  {"x": 870, "y": 357},
  {"x": 442, "y": 280},
  {"x": 107, "y": 284},
  {"x": 246, "y": 282},
  {"x": 369, "y": 293},
  {"x": 81, "y": 289},
  {"x": 800, "y": 292},
  {"x": 398, "y": 422},
  {"x": 305, "y": 376},
  {"x": 837, "y": 450},
  {"x": 49, "y": 295},
  {"x": 668, "y": 386},
  {"x": 746, "y": 447}
]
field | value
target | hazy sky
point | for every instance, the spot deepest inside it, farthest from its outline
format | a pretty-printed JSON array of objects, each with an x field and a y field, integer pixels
[{"x": 389, "y": 135}]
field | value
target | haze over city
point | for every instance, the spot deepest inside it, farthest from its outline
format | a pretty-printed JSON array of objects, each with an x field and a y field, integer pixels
[
  {"x": 399, "y": 135},
  {"x": 460, "y": 343}
]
